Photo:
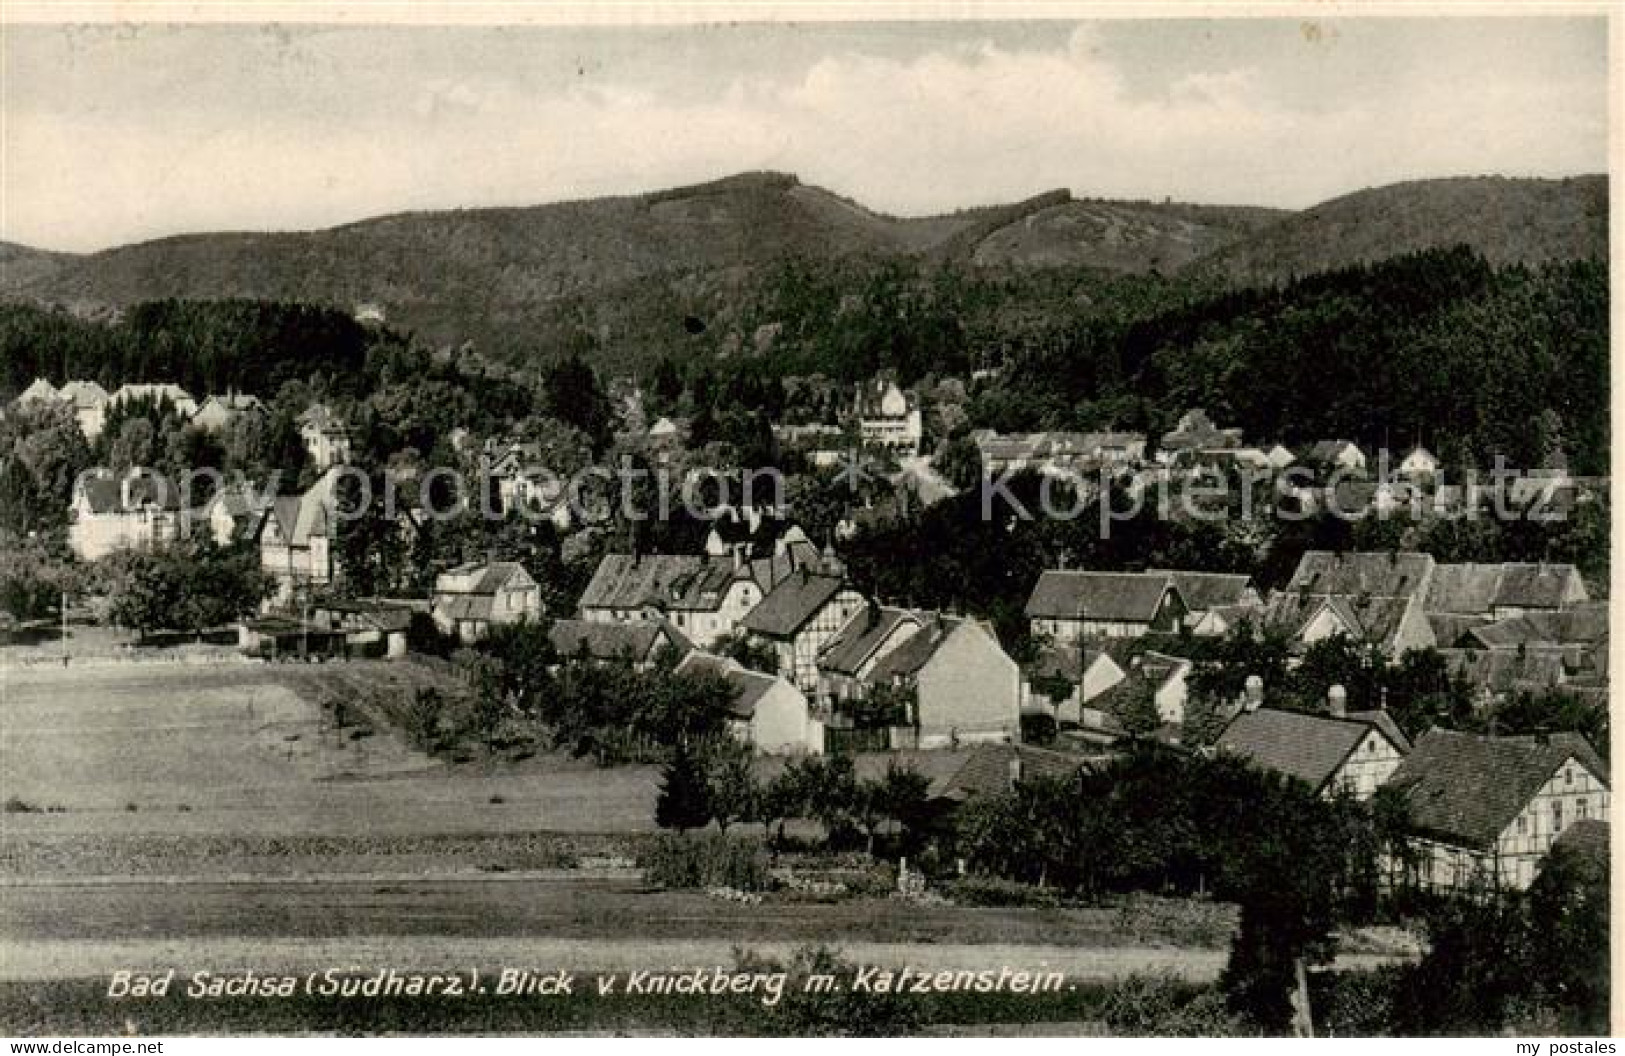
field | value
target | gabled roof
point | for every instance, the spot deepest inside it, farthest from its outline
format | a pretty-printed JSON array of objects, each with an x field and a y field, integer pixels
[
  {"x": 1392, "y": 573},
  {"x": 1466, "y": 789},
  {"x": 306, "y": 516},
  {"x": 855, "y": 643},
  {"x": 1581, "y": 625},
  {"x": 1329, "y": 450},
  {"x": 1480, "y": 589},
  {"x": 987, "y": 770},
  {"x": 84, "y": 394},
  {"x": 104, "y": 493},
  {"x": 1506, "y": 670},
  {"x": 792, "y": 603},
  {"x": 662, "y": 581},
  {"x": 1536, "y": 586},
  {"x": 155, "y": 391},
  {"x": 39, "y": 389},
  {"x": 1310, "y": 748},
  {"x": 493, "y": 577},
  {"x": 1375, "y": 619},
  {"x": 1201, "y": 591},
  {"x": 321, "y": 418},
  {"x": 633, "y": 640},
  {"x": 749, "y": 686},
  {"x": 1449, "y": 629},
  {"x": 1127, "y": 597},
  {"x": 1065, "y": 661},
  {"x": 906, "y": 660}
]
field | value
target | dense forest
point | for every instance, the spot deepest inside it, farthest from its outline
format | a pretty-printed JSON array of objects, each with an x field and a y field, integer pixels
[{"x": 1437, "y": 347}]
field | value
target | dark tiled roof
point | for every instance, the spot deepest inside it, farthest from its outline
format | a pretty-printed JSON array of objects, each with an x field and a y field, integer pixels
[
  {"x": 906, "y": 660},
  {"x": 634, "y": 581},
  {"x": 1467, "y": 789},
  {"x": 861, "y": 636},
  {"x": 1535, "y": 586},
  {"x": 1464, "y": 588},
  {"x": 1368, "y": 618},
  {"x": 1206, "y": 590},
  {"x": 1307, "y": 747},
  {"x": 1450, "y": 628},
  {"x": 795, "y": 600},
  {"x": 749, "y": 686},
  {"x": 609, "y": 641},
  {"x": 1502, "y": 670},
  {"x": 1127, "y": 597},
  {"x": 1480, "y": 589},
  {"x": 1390, "y": 574},
  {"x": 986, "y": 771}
]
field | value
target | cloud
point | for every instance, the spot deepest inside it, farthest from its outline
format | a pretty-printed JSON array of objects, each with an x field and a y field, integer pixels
[{"x": 111, "y": 151}]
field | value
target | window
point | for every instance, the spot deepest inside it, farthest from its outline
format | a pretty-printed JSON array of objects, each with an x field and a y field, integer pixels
[
  {"x": 1557, "y": 816},
  {"x": 1568, "y": 775},
  {"x": 1523, "y": 824},
  {"x": 1581, "y": 809}
]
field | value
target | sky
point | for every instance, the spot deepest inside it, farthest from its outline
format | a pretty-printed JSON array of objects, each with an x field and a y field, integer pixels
[{"x": 117, "y": 134}]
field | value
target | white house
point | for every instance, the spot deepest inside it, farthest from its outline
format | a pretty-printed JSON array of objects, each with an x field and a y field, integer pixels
[
  {"x": 327, "y": 437},
  {"x": 218, "y": 412},
  {"x": 179, "y": 398},
  {"x": 1067, "y": 606},
  {"x": 135, "y": 512},
  {"x": 767, "y": 712},
  {"x": 966, "y": 688},
  {"x": 1419, "y": 465},
  {"x": 1485, "y": 810},
  {"x": 1348, "y": 753},
  {"x": 889, "y": 418},
  {"x": 472, "y": 598}
]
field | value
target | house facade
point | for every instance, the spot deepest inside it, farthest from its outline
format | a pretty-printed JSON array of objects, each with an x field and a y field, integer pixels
[
  {"x": 798, "y": 617},
  {"x": 327, "y": 438},
  {"x": 1069, "y": 606},
  {"x": 1350, "y": 754},
  {"x": 471, "y": 599},
  {"x": 888, "y": 418},
  {"x": 767, "y": 712},
  {"x": 1484, "y": 811},
  {"x": 136, "y": 511}
]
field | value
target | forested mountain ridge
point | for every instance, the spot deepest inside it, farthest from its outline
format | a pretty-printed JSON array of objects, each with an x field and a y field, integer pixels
[{"x": 629, "y": 270}]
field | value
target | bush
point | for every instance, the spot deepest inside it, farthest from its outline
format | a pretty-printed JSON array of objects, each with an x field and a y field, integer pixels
[
  {"x": 704, "y": 861},
  {"x": 993, "y": 891},
  {"x": 1355, "y": 1004},
  {"x": 20, "y": 806},
  {"x": 1164, "y": 1006}
]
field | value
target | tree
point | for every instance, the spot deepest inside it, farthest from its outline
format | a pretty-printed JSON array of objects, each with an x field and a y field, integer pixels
[
  {"x": 732, "y": 791},
  {"x": 684, "y": 800},
  {"x": 960, "y": 463},
  {"x": 189, "y": 586},
  {"x": 751, "y": 654},
  {"x": 574, "y": 395}
]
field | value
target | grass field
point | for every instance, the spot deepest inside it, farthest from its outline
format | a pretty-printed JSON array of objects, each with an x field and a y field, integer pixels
[
  {"x": 208, "y": 817},
  {"x": 167, "y": 749}
]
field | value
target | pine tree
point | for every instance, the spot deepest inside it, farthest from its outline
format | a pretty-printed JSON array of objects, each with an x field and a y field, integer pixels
[{"x": 684, "y": 801}]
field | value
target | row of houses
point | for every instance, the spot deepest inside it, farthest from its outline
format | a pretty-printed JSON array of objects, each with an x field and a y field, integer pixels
[
  {"x": 1503, "y": 628},
  {"x": 1480, "y": 810},
  {"x": 326, "y": 436}
]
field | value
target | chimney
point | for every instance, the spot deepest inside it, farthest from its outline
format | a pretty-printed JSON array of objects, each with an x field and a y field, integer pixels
[
  {"x": 1337, "y": 702},
  {"x": 1253, "y": 695}
]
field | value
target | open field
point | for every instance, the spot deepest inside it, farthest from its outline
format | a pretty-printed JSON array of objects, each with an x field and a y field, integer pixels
[
  {"x": 230, "y": 749},
  {"x": 208, "y": 818}
]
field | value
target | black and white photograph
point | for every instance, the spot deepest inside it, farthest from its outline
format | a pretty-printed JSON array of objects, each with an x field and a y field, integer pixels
[{"x": 926, "y": 522}]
